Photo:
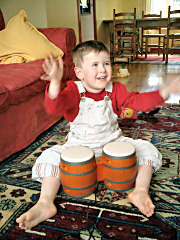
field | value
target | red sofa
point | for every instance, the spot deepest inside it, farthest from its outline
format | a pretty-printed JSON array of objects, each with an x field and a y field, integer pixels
[{"x": 22, "y": 113}]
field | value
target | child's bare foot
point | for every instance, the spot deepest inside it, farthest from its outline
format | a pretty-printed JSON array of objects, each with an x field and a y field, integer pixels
[
  {"x": 40, "y": 212},
  {"x": 141, "y": 199}
]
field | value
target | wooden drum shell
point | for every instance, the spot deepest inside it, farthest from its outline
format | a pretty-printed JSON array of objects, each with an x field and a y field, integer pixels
[
  {"x": 79, "y": 178},
  {"x": 119, "y": 172}
]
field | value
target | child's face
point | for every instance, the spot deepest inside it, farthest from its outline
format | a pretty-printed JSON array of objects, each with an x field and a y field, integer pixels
[{"x": 95, "y": 71}]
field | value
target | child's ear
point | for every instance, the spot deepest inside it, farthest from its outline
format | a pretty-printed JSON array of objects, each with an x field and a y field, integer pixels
[{"x": 79, "y": 73}]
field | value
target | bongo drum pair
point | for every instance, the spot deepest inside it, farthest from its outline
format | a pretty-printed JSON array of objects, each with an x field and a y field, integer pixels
[{"x": 80, "y": 171}]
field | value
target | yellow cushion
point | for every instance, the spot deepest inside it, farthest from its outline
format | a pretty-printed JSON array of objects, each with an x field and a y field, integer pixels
[{"x": 20, "y": 41}]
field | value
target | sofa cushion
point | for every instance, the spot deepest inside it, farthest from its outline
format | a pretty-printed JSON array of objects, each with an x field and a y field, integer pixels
[
  {"x": 21, "y": 81},
  {"x": 2, "y": 23},
  {"x": 21, "y": 41}
]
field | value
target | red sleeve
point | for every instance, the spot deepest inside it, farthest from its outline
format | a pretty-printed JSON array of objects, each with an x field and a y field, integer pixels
[
  {"x": 65, "y": 104},
  {"x": 145, "y": 102}
]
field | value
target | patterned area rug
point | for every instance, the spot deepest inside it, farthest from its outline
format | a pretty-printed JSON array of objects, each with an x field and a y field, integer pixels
[{"x": 105, "y": 214}]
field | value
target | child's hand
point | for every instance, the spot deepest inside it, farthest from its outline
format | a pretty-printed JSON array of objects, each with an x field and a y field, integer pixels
[
  {"x": 53, "y": 69},
  {"x": 53, "y": 72},
  {"x": 172, "y": 86}
]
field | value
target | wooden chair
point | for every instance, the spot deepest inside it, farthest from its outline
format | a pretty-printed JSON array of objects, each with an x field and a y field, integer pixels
[
  {"x": 173, "y": 37},
  {"x": 124, "y": 39},
  {"x": 149, "y": 34}
]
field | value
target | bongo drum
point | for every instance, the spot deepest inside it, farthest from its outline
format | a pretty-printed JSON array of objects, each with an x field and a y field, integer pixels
[
  {"x": 78, "y": 171},
  {"x": 100, "y": 167},
  {"x": 120, "y": 167}
]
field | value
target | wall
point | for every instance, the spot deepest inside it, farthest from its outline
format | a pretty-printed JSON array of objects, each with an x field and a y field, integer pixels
[
  {"x": 35, "y": 9},
  {"x": 62, "y": 13}
]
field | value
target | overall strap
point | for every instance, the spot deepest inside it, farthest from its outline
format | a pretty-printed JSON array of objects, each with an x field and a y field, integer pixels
[
  {"x": 80, "y": 87},
  {"x": 109, "y": 89},
  {"x": 82, "y": 90}
]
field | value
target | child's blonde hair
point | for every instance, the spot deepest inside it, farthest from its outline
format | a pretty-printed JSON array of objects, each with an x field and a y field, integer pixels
[{"x": 84, "y": 48}]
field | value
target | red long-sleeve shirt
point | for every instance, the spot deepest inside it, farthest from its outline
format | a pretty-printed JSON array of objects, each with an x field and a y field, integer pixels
[{"x": 67, "y": 102}]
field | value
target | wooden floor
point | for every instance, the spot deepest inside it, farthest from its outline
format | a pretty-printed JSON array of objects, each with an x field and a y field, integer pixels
[{"x": 148, "y": 77}]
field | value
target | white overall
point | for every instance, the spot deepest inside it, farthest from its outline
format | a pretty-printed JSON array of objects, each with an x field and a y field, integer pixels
[{"x": 95, "y": 125}]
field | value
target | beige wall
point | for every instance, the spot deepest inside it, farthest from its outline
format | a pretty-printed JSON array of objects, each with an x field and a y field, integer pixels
[
  {"x": 62, "y": 13},
  {"x": 35, "y": 9}
]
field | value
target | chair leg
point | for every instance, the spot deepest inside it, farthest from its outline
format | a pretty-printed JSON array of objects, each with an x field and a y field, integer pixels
[
  {"x": 166, "y": 58},
  {"x": 164, "y": 49},
  {"x": 159, "y": 42},
  {"x": 172, "y": 45},
  {"x": 136, "y": 49},
  {"x": 133, "y": 47},
  {"x": 146, "y": 47},
  {"x": 141, "y": 47},
  {"x": 167, "y": 50}
]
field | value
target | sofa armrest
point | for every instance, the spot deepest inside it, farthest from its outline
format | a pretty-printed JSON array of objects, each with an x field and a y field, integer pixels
[{"x": 65, "y": 39}]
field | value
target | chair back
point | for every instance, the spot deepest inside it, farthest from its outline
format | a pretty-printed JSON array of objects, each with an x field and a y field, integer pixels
[
  {"x": 124, "y": 22},
  {"x": 148, "y": 16},
  {"x": 124, "y": 26},
  {"x": 173, "y": 36},
  {"x": 173, "y": 19}
]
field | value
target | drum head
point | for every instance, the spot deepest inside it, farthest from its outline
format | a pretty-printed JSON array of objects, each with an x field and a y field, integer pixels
[
  {"x": 119, "y": 149},
  {"x": 77, "y": 154}
]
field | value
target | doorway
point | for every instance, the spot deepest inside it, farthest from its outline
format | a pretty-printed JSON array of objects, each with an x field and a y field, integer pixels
[{"x": 87, "y": 20}]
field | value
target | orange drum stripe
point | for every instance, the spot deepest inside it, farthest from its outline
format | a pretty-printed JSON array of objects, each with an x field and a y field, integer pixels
[
  {"x": 119, "y": 187},
  {"x": 123, "y": 162},
  {"x": 100, "y": 169},
  {"x": 120, "y": 175},
  {"x": 78, "y": 167},
  {"x": 78, "y": 181},
  {"x": 121, "y": 167},
  {"x": 78, "y": 193}
]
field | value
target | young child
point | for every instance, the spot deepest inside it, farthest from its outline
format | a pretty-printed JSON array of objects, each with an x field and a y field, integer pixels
[{"x": 91, "y": 105}]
